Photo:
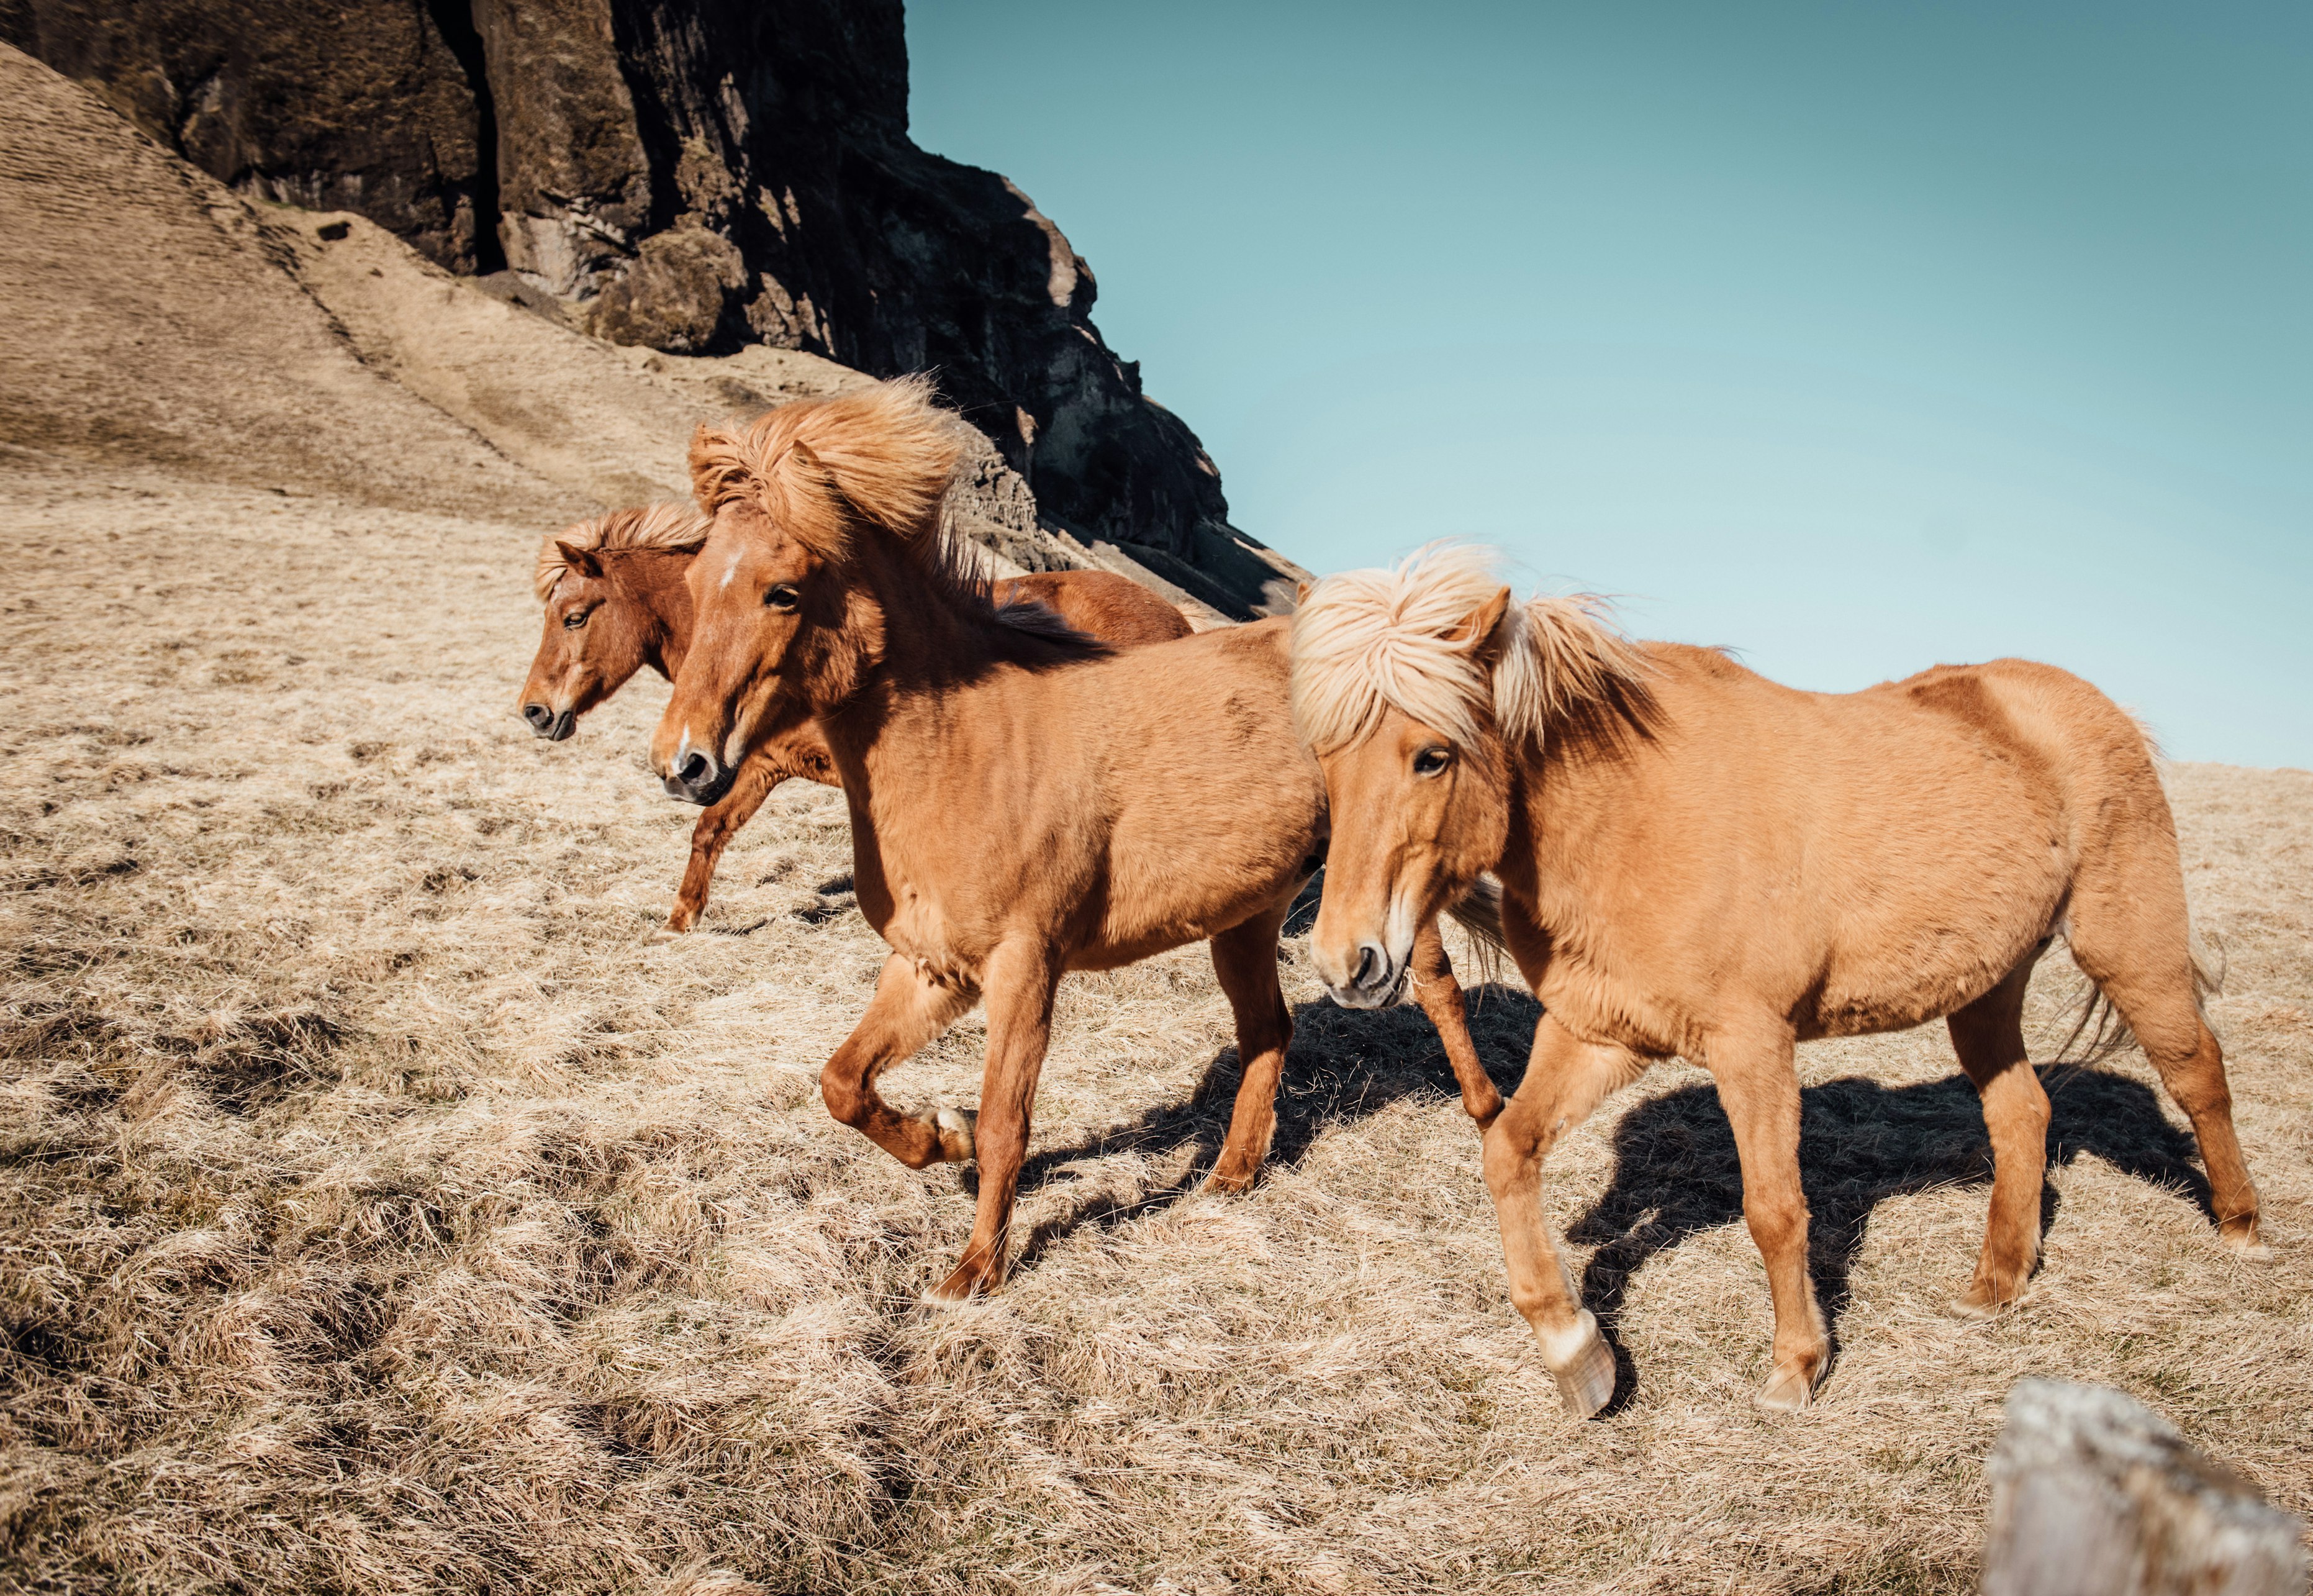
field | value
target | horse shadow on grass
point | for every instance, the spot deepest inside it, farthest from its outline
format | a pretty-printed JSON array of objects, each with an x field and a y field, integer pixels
[
  {"x": 1344, "y": 1066},
  {"x": 1676, "y": 1173}
]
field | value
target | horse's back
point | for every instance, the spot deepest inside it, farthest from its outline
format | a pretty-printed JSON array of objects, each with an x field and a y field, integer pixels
[
  {"x": 1114, "y": 608},
  {"x": 2084, "y": 759},
  {"x": 1870, "y": 859}
]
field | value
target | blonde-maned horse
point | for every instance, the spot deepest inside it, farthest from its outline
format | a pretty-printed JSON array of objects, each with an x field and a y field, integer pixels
[
  {"x": 1696, "y": 861},
  {"x": 615, "y": 602},
  {"x": 1025, "y": 802}
]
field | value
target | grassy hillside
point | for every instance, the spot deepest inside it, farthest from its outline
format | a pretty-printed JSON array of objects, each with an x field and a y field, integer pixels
[{"x": 384, "y": 1210}]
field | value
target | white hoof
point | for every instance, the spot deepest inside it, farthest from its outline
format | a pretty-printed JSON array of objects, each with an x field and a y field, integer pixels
[
  {"x": 1583, "y": 1365},
  {"x": 955, "y": 1128},
  {"x": 1787, "y": 1390}
]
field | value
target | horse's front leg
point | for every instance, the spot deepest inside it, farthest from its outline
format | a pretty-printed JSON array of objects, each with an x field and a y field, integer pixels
[
  {"x": 1244, "y": 958},
  {"x": 1759, "y": 1086},
  {"x": 760, "y": 772},
  {"x": 1019, "y": 979},
  {"x": 1440, "y": 997},
  {"x": 1565, "y": 1079},
  {"x": 908, "y": 1010}
]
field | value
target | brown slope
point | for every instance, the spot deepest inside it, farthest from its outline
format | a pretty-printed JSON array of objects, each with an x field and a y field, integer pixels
[{"x": 149, "y": 318}]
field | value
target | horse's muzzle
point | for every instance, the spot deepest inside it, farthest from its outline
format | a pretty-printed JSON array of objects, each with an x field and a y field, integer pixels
[
  {"x": 547, "y": 724},
  {"x": 701, "y": 779},
  {"x": 1379, "y": 982}
]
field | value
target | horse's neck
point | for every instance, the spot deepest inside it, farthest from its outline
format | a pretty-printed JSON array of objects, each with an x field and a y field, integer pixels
[
  {"x": 1574, "y": 800},
  {"x": 927, "y": 672},
  {"x": 656, "y": 579}
]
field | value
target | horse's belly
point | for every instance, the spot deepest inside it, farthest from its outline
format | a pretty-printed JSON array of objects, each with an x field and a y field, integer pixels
[{"x": 1927, "y": 972}]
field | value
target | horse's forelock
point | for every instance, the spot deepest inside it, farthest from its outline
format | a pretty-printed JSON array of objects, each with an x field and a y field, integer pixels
[
  {"x": 663, "y": 526},
  {"x": 884, "y": 455},
  {"x": 1367, "y": 641}
]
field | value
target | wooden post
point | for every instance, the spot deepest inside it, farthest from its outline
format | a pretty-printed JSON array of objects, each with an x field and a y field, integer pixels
[{"x": 2095, "y": 1494}]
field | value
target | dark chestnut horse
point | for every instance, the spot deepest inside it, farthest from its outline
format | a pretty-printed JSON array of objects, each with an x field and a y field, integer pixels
[
  {"x": 615, "y": 603},
  {"x": 1025, "y": 801}
]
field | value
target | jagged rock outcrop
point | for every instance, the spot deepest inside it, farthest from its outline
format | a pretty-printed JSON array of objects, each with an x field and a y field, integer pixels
[
  {"x": 362, "y": 107},
  {"x": 158, "y": 320},
  {"x": 690, "y": 175}
]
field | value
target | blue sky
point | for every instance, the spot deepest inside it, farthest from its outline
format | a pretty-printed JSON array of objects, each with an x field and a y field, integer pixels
[{"x": 1857, "y": 337}]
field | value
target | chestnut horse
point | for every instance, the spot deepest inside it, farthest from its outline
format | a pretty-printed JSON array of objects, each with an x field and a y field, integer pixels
[
  {"x": 615, "y": 602},
  {"x": 1025, "y": 801},
  {"x": 1697, "y": 862}
]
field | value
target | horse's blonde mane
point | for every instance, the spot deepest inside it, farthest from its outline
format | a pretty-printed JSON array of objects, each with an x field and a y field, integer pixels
[
  {"x": 647, "y": 526},
  {"x": 1367, "y": 641},
  {"x": 884, "y": 454}
]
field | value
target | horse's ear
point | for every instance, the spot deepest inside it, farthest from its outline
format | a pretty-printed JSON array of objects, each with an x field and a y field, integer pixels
[
  {"x": 1301, "y": 591},
  {"x": 582, "y": 560},
  {"x": 1478, "y": 627}
]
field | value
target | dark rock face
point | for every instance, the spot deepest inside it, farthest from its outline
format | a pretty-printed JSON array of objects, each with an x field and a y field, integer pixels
[
  {"x": 364, "y": 107},
  {"x": 691, "y": 175}
]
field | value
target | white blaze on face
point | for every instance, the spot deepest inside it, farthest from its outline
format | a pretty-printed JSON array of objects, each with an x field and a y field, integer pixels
[
  {"x": 1397, "y": 930},
  {"x": 735, "y": 747},
  {"x": 729, "y": 571}
]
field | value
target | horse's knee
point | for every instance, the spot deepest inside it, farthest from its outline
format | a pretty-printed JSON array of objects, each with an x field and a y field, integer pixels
[
  {"x": 2023, "y": 1107},
  {"x": 847, "y": 1095},
  {"x": 1777, "y": 1219},
  {"x": 1512, "y": 1147}
]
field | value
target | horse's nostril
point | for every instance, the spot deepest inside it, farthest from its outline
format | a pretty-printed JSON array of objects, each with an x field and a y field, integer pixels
[
  {"x": 1369, "y": 959},
  {"x": 696, "y": 769},
  {"x": 540, "y": 717}
]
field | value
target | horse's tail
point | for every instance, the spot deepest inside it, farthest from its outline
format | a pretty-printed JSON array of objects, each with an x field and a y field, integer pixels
[
  {"x": 1478, "y": 912},
  {"x": 2097, "y": 1024}
]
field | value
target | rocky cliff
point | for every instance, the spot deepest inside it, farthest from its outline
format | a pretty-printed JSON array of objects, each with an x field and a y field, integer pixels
[{"x": 693, "y": 176}]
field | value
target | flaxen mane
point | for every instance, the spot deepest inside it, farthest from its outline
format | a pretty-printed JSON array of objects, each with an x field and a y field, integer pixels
[
  {"x": 884, "y": 455},
  {"x": 650, "y": 526},
  {"x": 1368, "y": 640}
]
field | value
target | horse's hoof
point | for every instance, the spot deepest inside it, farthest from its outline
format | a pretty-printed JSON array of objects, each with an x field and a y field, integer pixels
[
  {"x": 1986, "y": 1298},
  {"x": 1788, "y": 1391},
  {"x": 1584, "y": 1367},
  {"x": 1229, "y": 1183},
  {"x": 2244, "y": 1243},
  {"x": 968, "y": 1282},
  {"x": 954, "y": 1126},
  {"x": 664, "y": 933}
]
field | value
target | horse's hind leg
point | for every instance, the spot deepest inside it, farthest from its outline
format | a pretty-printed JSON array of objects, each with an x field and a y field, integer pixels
[
  {"x": 2130, "y": 937},
  {"x": 718, "y": 823},
  {"x": 908, "y": 1010},
  {"x": 1440, "y": 997},
  {"x": 1989, "y": 1036},
  {"x": 1020, "y": 979},
  {"x": 1244, "y": 958},
  {"x": 1565, "y": 1079}
]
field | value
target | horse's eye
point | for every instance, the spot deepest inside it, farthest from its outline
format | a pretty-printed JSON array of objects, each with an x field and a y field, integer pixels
[
  {"x": 1432, "y": 760},
  {"x": 574, "y": 619},
  {"x": 782, "y": 597}
]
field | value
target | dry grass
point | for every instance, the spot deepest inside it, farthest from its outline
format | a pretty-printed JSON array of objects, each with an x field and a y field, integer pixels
[{"x": 382, "y": 1210}]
